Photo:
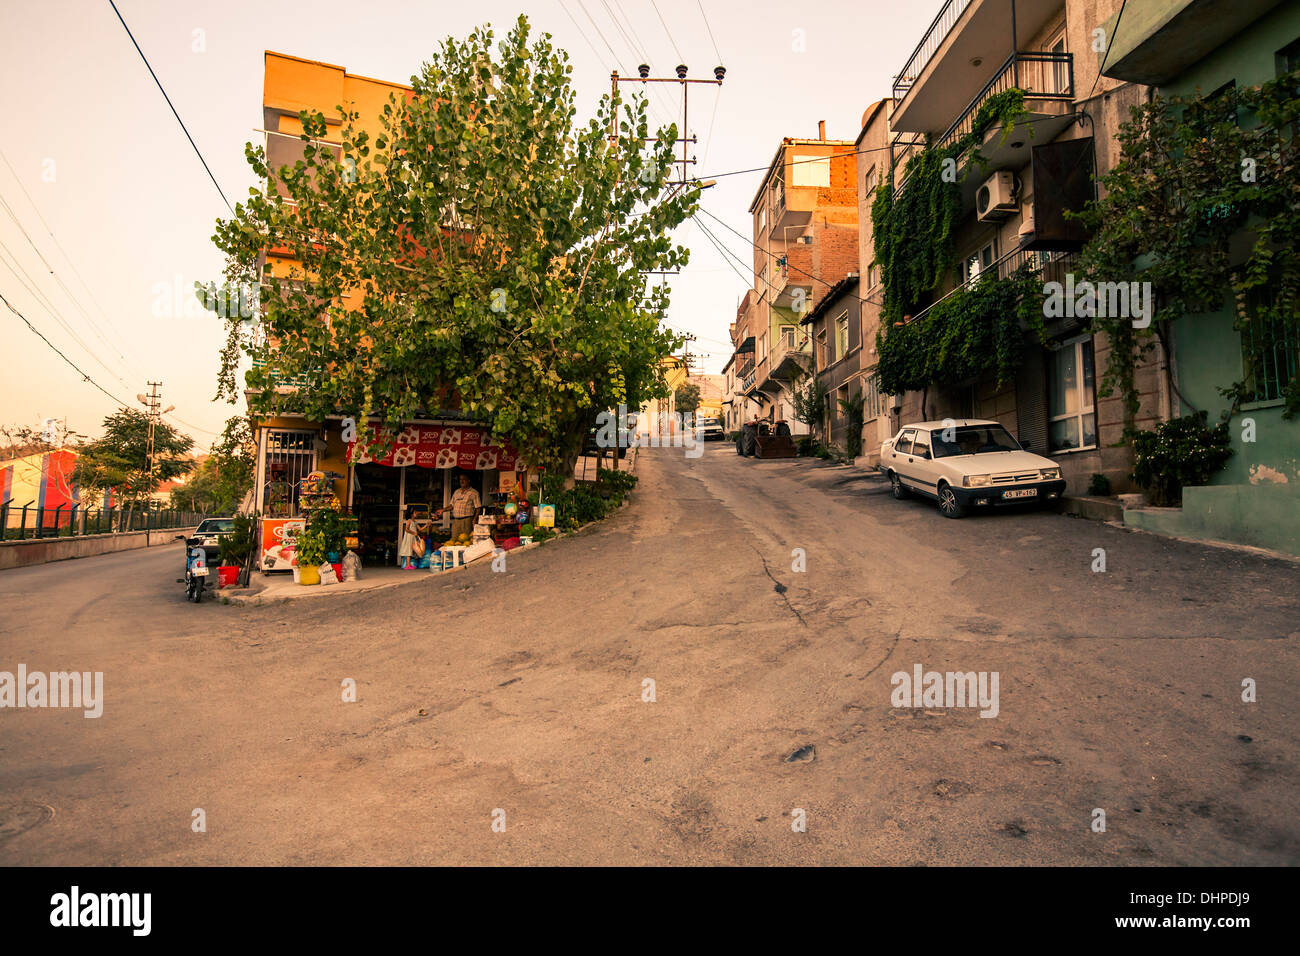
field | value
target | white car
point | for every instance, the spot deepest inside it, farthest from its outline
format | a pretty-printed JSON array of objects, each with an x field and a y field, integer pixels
[
  {"x": 967, "y": 463},
  {"x": 709, "y": 429}
]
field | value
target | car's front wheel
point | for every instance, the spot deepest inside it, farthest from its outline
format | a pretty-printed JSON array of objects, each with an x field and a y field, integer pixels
[
  {"x": 949, "y": 506},
  {"x": 896, "y": 487}
]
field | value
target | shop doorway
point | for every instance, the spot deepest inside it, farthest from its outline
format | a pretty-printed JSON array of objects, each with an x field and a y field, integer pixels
[{"x": 376, "y": 501}]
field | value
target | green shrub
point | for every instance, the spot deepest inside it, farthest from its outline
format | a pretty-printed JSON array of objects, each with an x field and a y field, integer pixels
[
  {"x": 804, "y": 444},
  {"x": 1175, "y": 454},
  {"x": 1099, "y": 485}
]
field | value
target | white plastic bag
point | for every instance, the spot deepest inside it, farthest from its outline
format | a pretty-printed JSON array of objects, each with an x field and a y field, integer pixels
[
  {"x": 351, "y": 566},
  {"x": 327, "y": 575}
]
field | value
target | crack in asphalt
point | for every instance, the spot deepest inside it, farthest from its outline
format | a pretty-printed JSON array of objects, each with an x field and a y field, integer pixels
[{"x": 779, "y": 587}]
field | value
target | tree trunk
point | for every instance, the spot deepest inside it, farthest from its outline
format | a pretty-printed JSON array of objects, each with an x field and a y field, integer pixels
[{"x": 571, "y": 441}]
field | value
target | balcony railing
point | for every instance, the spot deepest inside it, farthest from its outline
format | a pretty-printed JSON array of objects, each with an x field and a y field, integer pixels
[
  {"x": 1052, "y": 266},
  {"x": 1041, "y": 76},
  {"x": 929, "y": 45}
]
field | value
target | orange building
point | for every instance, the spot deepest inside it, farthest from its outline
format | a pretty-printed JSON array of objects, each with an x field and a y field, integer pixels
[{"x": 421, "y": 470}]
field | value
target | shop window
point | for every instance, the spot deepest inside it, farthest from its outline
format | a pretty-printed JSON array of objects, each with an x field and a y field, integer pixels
[
  {"x": 842, "y": 336},
  {"x": 290, "y": 457},
  {"x": 1270, "y": 348},
  {"x": 1071, "y": 405}
]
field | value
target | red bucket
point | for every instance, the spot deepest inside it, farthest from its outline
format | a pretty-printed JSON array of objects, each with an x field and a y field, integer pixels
[
  {"x": 338, "y": 570},
  {"x": 227, "y": 577}
]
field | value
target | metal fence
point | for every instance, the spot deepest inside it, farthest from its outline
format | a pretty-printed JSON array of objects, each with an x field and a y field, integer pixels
[{"x": 66, "y": 521}]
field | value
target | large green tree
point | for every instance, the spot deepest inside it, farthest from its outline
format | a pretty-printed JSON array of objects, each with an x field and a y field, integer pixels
[
  {"x": 119, "y": 459},
  {"x": 493, "y": 248}
]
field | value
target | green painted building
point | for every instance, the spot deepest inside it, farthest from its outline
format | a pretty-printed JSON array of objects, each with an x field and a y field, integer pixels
[{"x": 1204, "y": 46}]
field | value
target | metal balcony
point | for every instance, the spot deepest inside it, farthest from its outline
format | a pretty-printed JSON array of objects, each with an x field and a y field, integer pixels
[
  {"x": 929, "y": 45},
  {"x": 1047, "y": 80}
]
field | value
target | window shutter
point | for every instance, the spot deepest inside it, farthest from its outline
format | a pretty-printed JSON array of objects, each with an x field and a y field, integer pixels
[{"x": 1031, "y": 399}]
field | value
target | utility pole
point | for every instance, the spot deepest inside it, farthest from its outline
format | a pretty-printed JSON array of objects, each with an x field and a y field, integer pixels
[
  {"x": 685, "y": 138},
  {"x": 153, "y": 404}
]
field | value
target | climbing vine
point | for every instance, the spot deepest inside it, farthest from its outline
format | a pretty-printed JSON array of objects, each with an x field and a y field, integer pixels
[
  {"x": 913, "y": 231},
  {"x": 976, "y": 332},
  {"x": 1205, "y": 205}
]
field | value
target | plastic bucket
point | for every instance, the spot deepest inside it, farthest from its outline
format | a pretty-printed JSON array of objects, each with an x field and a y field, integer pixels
[
  {"x": 228, "y": 576},
  {"x": 309, "y": 575}
]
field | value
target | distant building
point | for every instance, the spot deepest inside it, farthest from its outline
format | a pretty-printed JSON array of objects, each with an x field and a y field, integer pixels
[{"x": 44, "y": 483}]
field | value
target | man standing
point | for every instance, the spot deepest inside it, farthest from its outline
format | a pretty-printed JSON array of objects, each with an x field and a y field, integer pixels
[{"x": 465, "y": 503}]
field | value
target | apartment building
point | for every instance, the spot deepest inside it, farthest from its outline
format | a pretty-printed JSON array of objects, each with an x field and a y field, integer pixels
[
  {"x": 872, "y": 147},
  {"x": 805, "y": 221},
  {"x": 1180, "y": 47},
  {"x": 1017, "y": 177}
]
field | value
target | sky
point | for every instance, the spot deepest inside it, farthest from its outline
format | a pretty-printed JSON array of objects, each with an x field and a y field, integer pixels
[{"x": 115, "y": 213}]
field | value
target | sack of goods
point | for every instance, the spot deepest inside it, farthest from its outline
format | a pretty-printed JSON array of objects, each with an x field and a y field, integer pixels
[
  {"x": 327, "y": 575},
  {"x": 351, "y": 566}
]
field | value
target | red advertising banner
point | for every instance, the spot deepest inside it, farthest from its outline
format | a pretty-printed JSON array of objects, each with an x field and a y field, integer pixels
[{"x": 467, "y": 447}]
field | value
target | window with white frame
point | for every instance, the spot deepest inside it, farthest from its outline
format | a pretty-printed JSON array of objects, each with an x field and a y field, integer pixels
[
  {"x": 842, "y": 335},
  {"x": 787, "y": 336},
  {"x": 873, "y": 405},
  {"x": 977, "y": 263},
  {"x": 1071, "y": 402},
  {"x": 872, "y": 180}
]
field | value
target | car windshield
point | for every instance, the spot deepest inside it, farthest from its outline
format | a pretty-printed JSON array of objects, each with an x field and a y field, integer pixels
[
  {"x": 972, "y": 440},
  {"x": 216, "y": 526}
]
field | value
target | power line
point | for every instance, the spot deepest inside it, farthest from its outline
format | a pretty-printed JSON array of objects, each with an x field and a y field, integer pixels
[
  {"x": 775, "y": 256},
  {"x": 680, "y": 58},
  {"x": 643, "y": 54},
  {"x": 173, "y": 108},
  {"x": 66, "y": 291},
  {"x": 849, "y": 152},
  {"x": 599, "y": 32},
  {"x": 1109, "y": 44},
  {"x": 705, "y": 16},
  {"x": 721, "y": 252},
  {"x": 581, "y": 31},
  {"x": 75, "y": 271},
  {"x": 33, "y": 289},
  {"x": 60, "y": 353}
]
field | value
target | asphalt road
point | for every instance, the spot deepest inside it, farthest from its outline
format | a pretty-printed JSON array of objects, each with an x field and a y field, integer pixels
[{"x": 522, "y": 692}]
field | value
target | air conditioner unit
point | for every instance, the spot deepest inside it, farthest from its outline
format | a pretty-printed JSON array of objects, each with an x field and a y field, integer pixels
[{"x": 997, "y": 198}]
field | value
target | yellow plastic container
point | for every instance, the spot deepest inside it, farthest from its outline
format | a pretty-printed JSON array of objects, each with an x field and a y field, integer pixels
[{"x": 310, "y": 575}]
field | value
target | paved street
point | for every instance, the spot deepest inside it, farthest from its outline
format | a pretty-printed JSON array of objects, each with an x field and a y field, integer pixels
[{"x": 523, "y": 691}]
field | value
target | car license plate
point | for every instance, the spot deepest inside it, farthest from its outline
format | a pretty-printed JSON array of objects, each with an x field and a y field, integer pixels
[
  {"x": 199, "y": 572},
  {"x": 1021, "y": 493}
]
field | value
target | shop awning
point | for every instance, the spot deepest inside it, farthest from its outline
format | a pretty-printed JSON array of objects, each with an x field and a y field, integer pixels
[{"x": 435, "y": 446}]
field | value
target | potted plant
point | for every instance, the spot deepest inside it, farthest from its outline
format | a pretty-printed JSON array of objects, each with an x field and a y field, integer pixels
[
  {"x": 310, "y": 554},
  {"x": 234, "y": 549}
]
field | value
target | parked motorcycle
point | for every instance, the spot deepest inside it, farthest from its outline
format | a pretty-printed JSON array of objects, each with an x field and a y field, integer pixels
[{"x": 201, "y": 555}]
